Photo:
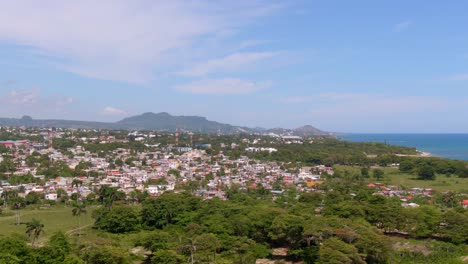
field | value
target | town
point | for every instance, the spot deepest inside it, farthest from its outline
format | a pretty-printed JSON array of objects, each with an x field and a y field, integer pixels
[
  {"x": 56, "y": 165},
  {"x": 157, "y": 169}
]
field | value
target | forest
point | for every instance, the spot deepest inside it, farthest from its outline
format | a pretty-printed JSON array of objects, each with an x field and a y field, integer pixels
[{"x": 346, "y": 225}]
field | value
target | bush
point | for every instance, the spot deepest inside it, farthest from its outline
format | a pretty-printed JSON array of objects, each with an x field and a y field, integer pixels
[{"x": 119, "y": 219}]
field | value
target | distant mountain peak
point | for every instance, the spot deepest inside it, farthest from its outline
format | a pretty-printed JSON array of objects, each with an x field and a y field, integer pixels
[
  {"x": 26, "y": 118},
  {"x": 308, "y": 130},
  {"x": 151, "y": 114}
]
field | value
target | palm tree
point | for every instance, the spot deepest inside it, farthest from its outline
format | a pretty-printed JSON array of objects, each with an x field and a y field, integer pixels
[
  {"x": 77, "y": 183},
  {"x": 78, "y": 209},
  {"x": 8, "y": 195},
  {"x": 34, "y": 228},
  {"x": 449, "y": 198}
]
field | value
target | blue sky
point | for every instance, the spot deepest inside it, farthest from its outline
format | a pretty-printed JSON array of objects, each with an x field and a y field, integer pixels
[{"x": 346, "y": 66}]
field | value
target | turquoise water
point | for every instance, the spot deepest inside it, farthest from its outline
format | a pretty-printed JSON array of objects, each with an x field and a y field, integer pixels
[{"x": 453, "y": 146}]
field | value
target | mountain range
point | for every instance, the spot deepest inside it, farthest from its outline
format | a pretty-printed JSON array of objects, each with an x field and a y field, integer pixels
[{"x": 161, "y": 122}]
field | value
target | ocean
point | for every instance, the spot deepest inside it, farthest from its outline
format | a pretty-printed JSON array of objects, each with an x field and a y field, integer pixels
[{"x": 453, "y": 146}]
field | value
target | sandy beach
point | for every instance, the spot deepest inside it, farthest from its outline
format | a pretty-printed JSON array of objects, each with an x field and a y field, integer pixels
[{"x": 421, "y": 154}]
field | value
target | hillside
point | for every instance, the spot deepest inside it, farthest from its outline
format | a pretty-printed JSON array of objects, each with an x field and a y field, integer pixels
[
  {"x": 308, "y": 130},
  {"x": 158, "y": 121}
]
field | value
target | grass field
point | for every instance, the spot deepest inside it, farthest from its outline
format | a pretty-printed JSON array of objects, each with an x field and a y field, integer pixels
[
  {"x": 394, "y": 177},
  {"x": 60, "y": 218},
  {"x": 55, "y": 218}
]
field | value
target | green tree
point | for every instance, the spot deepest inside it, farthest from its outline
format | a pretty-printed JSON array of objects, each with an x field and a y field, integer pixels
[
  {"x": 79, "y": 208},
  {"x": 316, "y": 230},
  {"x": 34, "y": 229},
  {"x": 13, "y": 248},
  {"x": 156, "y": 240},
  {"x": 104, "y": 255},
  {"x": 286, "y": 230},
  {"x": 426, "y": 172},
  {"x": 9, "y": 195},
  {"x": 164, "y": 210},
  {"x": 59, "y": 242},
  {"x": 71, "y": 259},
  {"x": 406, "y": 165},
  {"x": 335, "y": 251},
  {"x": 119, "y": 162},
  {"x": 365, "y": 172},
  {"x": 33, "y": 198},
  {"x": 455, "y": 226},
  {"x": 163, "y": 256},
  {"x": 421, "y": 221},
  {"x": 6, "y": 258},
  {"x": 7, "y": 165},
  {"x": 378, "y": 173},
  {"x": 119, "y": 219},
  {"x": 108, "y": 195}
]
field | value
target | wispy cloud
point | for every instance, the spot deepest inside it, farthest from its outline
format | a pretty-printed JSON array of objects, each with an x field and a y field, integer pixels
[
  {"x": 23, "y": 96},
  {"x": 222, "y": 86},
  {"x": 33, "y": 101},
  {"x": 460, "y": 77},
  {"x": 112, "y": 111},
  {"x": 402, "y": 26},
  {"x": 231, "y": 63},
  {"x": 119, "y": 39}
]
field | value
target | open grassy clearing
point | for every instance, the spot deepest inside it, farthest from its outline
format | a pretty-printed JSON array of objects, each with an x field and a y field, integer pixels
[
  {"x": 394, "y": 177},
  {"x": 59, "y": 218},
  {"x": 55, "y": 218}
]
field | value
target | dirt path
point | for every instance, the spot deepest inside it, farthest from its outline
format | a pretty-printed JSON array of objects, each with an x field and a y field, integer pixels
[{"x": 69, "y": 232}]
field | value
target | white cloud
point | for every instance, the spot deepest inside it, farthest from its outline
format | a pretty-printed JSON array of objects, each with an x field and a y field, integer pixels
[
  {"x": 112, "y": 111},
  {"x": 460, "y": 77},
  {"x": 34, "y": 102},
  {"x": 402, "y": 26},
  {"x": 65, "y": 101},
  {"x": 222, "y": 86},
  {"x": 119, "y": 39},
  {"x": 23, "y": 96},
  {"x": 231, "y": 63}
]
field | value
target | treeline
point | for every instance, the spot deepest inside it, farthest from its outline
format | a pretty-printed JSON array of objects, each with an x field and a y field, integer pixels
[
  {"x": 58, "y": 250},
  {"x": 109, "y": 147},
  {"x": 64, "y": 144},
  {"x": 333, "y": 151},
  {"x": 426, "y": 168},
  {"x": 45, "y": 167},
  {"x": 4, "y": 135},
  {"x": 346, "y": 225}
]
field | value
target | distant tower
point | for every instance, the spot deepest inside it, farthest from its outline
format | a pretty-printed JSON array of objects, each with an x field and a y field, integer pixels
[
  {"x": 51, "y": 138},
  {"x": 177, "y": 138},
  {"x": 191, "y": 139}
]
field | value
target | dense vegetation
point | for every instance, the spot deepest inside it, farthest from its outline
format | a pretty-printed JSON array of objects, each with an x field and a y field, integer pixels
[
  {"x": 428, "y": 167},
  {"x": 333, "y": 151},
  {"x": 343, "y": 221},
  {"x": 346, "y": 225}
]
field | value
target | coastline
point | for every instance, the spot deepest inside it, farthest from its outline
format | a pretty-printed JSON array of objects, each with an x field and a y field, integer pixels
[
  {"x": 449, "y": 146},
  {"x": 421, "y": 154}
]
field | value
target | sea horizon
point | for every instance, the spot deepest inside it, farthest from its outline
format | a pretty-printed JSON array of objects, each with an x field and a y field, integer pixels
[{"x": 445, "y": 145}]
